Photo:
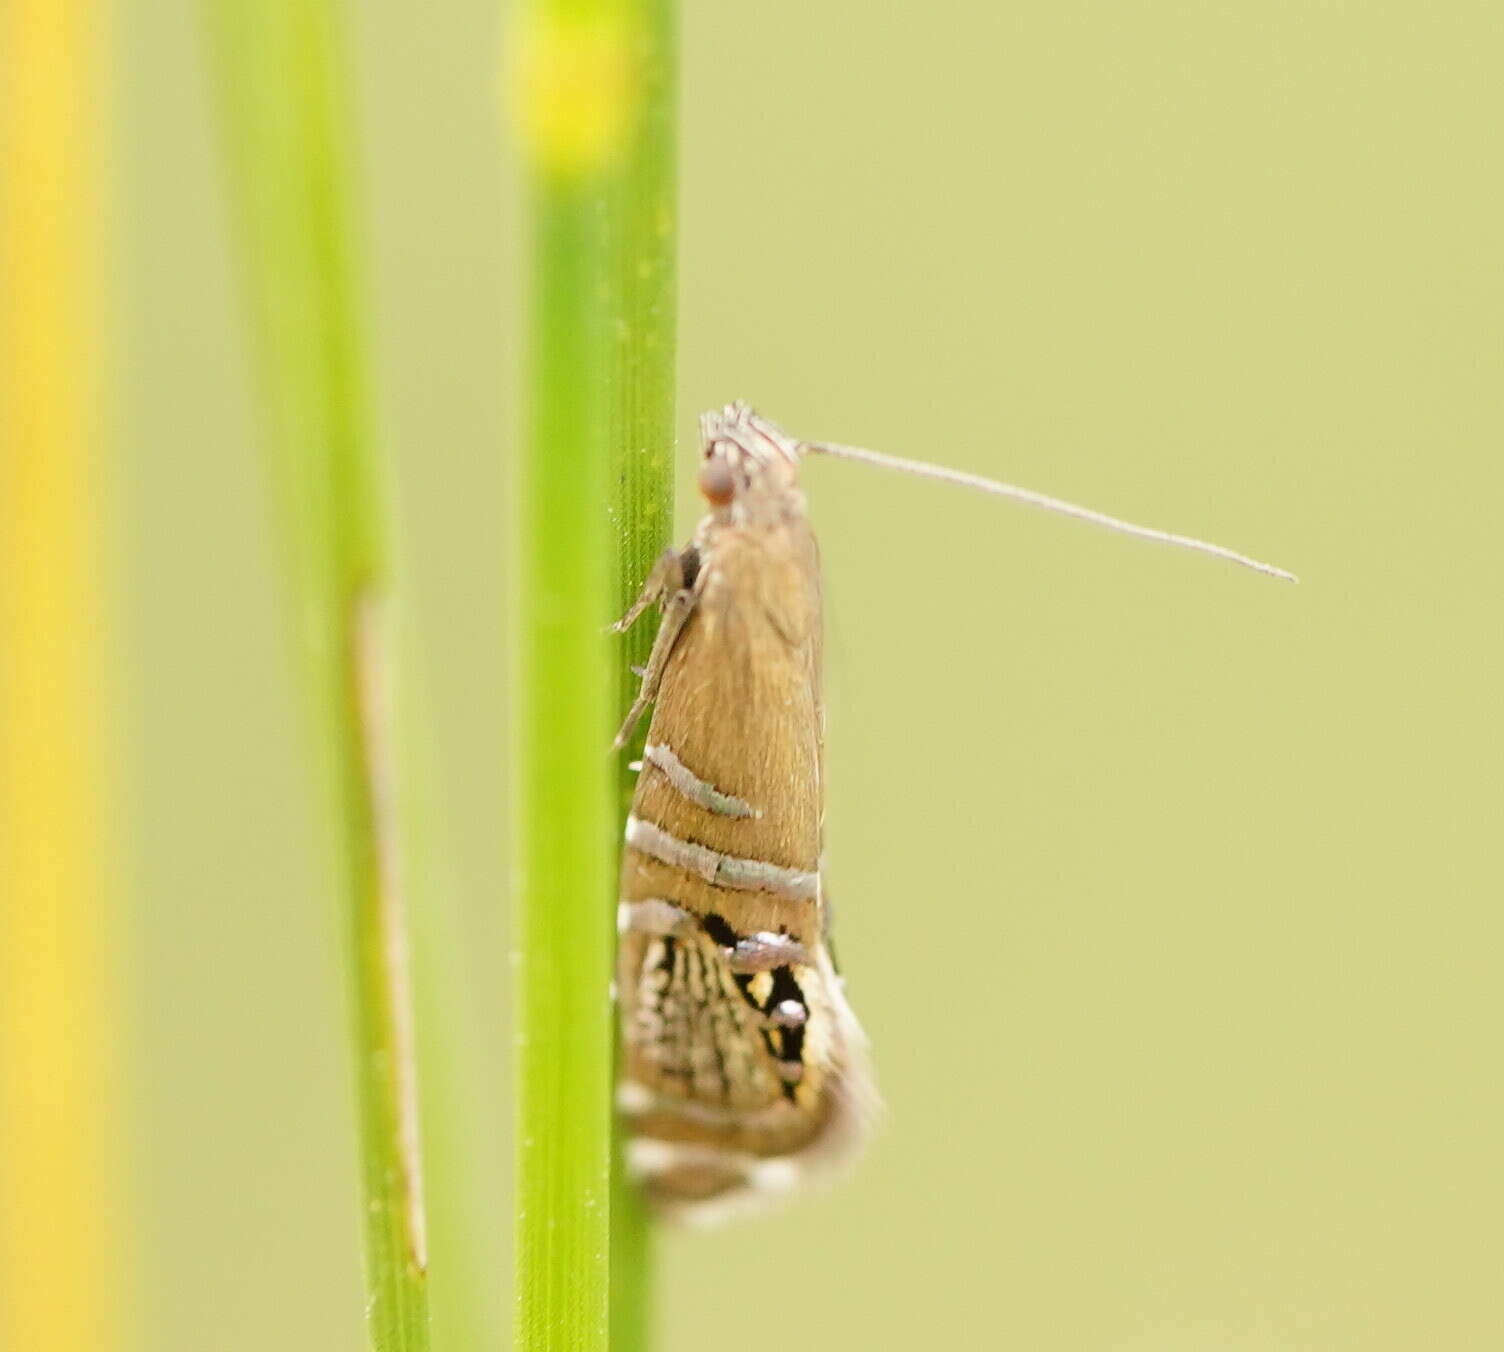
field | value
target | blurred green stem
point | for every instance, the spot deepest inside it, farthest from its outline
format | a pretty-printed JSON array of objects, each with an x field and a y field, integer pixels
[
  {"x": 278, "y": 69},
  {"x": 593, "y": 85}
]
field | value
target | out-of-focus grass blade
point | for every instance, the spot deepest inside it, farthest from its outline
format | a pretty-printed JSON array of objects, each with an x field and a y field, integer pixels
[
  {"x": 59, "y": 1244},
  {"x": 277, "y": 68}
]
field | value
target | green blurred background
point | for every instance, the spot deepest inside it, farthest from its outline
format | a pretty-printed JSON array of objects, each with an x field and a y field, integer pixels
[{"x": 1169, "y": 895}]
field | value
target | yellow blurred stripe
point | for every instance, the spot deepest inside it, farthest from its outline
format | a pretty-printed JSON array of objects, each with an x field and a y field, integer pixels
[{"x": 57, "y": 1263}]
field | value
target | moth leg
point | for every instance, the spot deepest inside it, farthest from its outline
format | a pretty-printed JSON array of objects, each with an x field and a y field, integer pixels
[
  {"x": 676, "y": 611},
  {"x": 666, "y": 578}
]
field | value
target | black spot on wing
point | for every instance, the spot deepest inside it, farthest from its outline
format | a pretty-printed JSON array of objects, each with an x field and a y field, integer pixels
[
  {"x": 792, "y": 1039},
  {"x": 719, "y": 930}
]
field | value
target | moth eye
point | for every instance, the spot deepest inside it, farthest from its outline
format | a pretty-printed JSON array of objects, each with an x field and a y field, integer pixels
[{"x": 716, "y": 481}]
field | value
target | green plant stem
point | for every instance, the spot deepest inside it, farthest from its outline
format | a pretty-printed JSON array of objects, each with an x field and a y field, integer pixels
[
  {"x": 595, "y": 83},
  {"x": 563, "y": 819},
  {"x": 644, "y": 276},
  {"x": 278, "y": 69}
]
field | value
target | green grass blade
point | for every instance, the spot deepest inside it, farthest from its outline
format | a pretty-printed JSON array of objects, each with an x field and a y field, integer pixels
[
  {"x": 563, "y": 795},
  {"x": 277, "y": 66},
  {"x": 594, "y": 87},
  {"x": 644, "y": 276}
]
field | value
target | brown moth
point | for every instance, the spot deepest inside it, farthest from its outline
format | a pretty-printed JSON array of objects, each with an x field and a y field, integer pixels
[{"x": 744, "y": 1068}]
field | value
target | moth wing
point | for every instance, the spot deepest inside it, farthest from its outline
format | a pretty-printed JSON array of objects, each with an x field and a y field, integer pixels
[{"x": 703, "y": 1152}]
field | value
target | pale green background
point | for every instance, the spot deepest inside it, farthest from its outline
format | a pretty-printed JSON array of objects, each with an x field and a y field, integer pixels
[{"x": 1169, "y": 895}]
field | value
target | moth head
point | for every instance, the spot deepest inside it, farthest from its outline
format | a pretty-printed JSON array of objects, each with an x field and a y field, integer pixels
[{"x": 747, "y": 460}]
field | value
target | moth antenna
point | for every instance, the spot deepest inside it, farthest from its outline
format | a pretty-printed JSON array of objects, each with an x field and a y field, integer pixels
[{"x": 1027, "y": 495}]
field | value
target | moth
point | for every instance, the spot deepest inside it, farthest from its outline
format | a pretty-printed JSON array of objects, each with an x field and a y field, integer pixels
[{"x": 744, "y": 1070}]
